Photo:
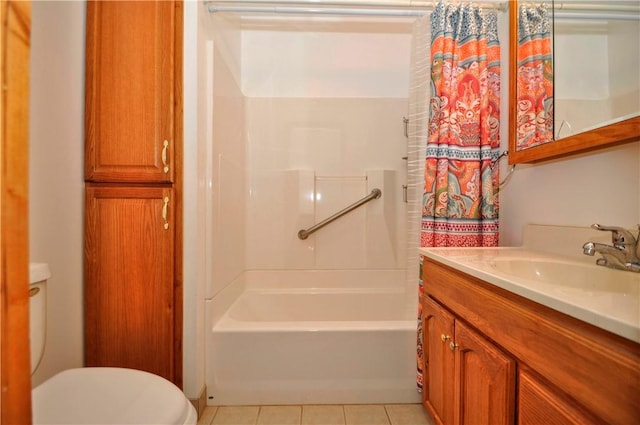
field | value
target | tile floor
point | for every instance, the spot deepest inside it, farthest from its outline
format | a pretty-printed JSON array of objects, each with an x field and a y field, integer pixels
[{"x": 364, "y": 414}]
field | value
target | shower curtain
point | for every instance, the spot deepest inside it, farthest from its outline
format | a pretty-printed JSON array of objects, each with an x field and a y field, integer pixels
[
  {"x": 534, "y": 77},
  {"x": 460, "y": 202}
]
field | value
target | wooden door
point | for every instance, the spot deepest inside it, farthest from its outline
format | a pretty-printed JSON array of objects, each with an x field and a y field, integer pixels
[
  {"x": 538, "y": 403},
  {"x": 15, "y": 376},
  {"x": 129, "y": 274},
  {"x": 484, "y": 380},
  {"x": 130, "y": 91},
  {"x": 438, "y": 361}
]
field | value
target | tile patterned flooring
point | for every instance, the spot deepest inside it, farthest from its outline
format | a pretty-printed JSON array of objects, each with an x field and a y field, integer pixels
[{"x": 362, "y": 414}]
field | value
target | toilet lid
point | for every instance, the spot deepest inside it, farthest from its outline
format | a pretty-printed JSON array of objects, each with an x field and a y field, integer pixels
[{"x": 109, "y": 396}]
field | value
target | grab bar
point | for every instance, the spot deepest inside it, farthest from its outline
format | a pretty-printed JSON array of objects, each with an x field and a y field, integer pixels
[{"x": 304, "y": 233}]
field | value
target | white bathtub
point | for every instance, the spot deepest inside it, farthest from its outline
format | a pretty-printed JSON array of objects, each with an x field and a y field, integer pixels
[{"x": 315, "y": 337}]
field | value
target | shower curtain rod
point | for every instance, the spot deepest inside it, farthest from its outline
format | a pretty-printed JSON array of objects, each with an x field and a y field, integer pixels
[
  {"x": 350, "y": 7},
  {"x": 624, "y": 10},
  {"x": 613, "y": 10}
]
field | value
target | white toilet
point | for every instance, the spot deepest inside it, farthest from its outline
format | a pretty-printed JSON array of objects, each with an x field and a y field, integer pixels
[{"x": 98, "y": 395}]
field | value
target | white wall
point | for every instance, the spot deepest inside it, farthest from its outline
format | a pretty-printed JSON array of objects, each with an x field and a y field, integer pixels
[
  {"x": 601, "y": 187},
  {"x": 56, "y": 206},
  {"x": 193, "y": 267}
]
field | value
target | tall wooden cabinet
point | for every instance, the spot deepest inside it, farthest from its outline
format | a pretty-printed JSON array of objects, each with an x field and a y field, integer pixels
[{"x": 133, "y": 150}]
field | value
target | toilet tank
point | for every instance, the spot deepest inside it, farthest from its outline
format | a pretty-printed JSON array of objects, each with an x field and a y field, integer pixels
[{"x": 39, "y": 273}]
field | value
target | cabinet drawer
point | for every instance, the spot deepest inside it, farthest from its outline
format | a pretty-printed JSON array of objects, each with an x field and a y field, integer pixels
[{"x": 598, "y": 369}]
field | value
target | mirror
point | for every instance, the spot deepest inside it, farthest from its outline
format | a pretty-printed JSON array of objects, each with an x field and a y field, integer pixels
[{"x": 571, "y": 103}]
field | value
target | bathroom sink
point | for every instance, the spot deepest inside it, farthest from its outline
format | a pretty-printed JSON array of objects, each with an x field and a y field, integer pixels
[
  {"x": 576, "y": 286},
  {"x": 569, "y": 275}
]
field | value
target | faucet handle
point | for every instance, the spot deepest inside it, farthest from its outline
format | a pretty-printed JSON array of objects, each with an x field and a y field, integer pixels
[{"x": 619, "y": 235}]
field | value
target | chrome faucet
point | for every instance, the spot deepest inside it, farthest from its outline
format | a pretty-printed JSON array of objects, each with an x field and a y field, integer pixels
[{"x": 623, "y": 254}]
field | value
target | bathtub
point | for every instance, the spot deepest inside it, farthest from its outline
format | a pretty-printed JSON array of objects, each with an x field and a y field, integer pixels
[{"x": 315, "y": 338}]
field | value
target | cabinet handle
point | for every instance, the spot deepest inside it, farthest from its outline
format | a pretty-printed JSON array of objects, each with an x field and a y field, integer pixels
[
  {"x": 165, "y": 207},
  {"x": 165, "y": 147},
  {"x": 453, "y": 346},
  {"x": 445, "y": 338}
]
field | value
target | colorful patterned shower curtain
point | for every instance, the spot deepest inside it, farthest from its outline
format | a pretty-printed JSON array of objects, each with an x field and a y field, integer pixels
[
  {"x": 460, "y": 205},
  {"x": 534, "y": 77},
  {"x": 460, "y": 202}
]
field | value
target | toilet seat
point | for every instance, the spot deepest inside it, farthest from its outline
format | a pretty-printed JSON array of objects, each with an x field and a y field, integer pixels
[{"x": 110, "y": 396}]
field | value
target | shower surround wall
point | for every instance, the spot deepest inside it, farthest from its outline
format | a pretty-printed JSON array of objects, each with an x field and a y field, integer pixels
[
  {"x": 306, "y": 122},
  {"x": 228, "y": 161},
  {"x": 324, "y": 118},
  {"x": 311, "y": 157}
]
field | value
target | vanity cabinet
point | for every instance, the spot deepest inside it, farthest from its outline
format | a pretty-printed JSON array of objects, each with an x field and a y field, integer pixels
[
  {"x": 133, "y": 186},
  {"x": 468, "y": 379},
  {"x": 568, "y": 371}
]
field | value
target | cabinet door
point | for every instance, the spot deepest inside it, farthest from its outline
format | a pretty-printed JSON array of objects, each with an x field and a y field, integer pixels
[
  {"x": 485, "y": 380},
  {"x": 539, "y": 404},
  {"x": 438, "y": 361},
  {"x": 130, "y": 91},
  {"x": 129, "y": 285}
]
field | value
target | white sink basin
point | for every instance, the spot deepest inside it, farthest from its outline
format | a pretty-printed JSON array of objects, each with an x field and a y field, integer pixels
[
  {"x": 569, "y": 275},
  {"x": 550, "y": 269}
]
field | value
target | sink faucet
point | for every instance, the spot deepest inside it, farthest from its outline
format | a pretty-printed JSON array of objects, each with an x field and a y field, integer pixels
[{"x": 623, "y": 254}]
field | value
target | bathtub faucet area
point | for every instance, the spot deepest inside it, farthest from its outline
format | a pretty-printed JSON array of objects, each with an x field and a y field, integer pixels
[{"x": 623, "y": 254}]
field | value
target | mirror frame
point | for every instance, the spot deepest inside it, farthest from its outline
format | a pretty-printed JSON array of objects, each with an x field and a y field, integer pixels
[{"x": 610, "y": 135}]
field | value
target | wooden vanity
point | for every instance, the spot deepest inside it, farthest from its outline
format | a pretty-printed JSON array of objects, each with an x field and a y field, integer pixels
[{"x": 494, "y": 357}]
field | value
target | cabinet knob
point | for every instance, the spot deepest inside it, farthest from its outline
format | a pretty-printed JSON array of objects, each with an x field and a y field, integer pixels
[
  {"x": 453, "y": 346},
  {"x": 445, "y": 338}
]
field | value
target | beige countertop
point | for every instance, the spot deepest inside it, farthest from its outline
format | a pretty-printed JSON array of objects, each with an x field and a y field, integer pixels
[{"x": 606, "y": 298}]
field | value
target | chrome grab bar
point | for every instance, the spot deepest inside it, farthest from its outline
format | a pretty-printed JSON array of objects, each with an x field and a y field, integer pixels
[{"x": 304, "y": 233}]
